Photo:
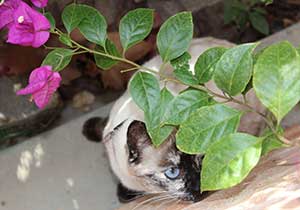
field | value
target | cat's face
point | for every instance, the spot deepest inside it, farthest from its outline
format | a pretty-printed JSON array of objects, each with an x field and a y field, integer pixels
[{"x": 164, "y": 169}]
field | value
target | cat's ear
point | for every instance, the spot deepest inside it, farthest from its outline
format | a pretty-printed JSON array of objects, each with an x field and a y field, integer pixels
[
  {"x": 137, "y": 140},
  {"x": 126, "y": 195},
  {"x": 93, "y": 128}
]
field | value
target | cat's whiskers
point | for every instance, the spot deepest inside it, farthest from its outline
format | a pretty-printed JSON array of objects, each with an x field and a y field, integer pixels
[
  {"x": 177, "y": 202},
  {"x": 166, "y": 202},
  {"x": 147, "y": 193},
  {"x": 152, "y": 200}
]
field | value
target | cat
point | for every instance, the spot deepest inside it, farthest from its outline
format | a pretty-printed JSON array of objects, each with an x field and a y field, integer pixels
[{"x": 142, "y": 168}]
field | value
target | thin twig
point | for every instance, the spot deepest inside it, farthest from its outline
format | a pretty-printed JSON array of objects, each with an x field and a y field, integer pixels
[
  {"x": 166, "y": 79},
  {"x": 128, "y": 70}
]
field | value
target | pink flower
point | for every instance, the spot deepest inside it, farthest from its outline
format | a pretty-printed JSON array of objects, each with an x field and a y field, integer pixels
[
  {"x": 40, "y": 3},
  {"x": 7, "y": 9},
  {"x": 43, "y": 82},
  {"x": 30, "y": 28}
]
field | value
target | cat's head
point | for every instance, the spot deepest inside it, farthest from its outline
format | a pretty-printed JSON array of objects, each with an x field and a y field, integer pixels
[
  {"x": 143, "y": 168},
  {"x": 164, "y": 168}
]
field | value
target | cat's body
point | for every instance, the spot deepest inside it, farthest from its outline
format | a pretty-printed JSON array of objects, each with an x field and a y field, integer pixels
[{"x": 140, "y": 166}]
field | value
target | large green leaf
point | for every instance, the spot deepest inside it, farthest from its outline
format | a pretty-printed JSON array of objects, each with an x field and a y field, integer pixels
[
  {"x": 183, "y": 105},
  {"x": 276, "y": 78},
  {"x": 71, "y": 17},
  {"x": 135, "y": 26},
  {"x": 58, "y": 58},
  {"x": 104, "y": 62},
  {"x": 181, "y": 69},
  {"x": 156, "y": 130},
  {"x": 206, "y": 62},
  {"x": 206, "y": 126},
  {"x": 144, "y": 90},
  {"x": 93, "y": 25},
  {"x": 259, "y": 22},
  {"x": 229, "y": 161},
  {"x": 175, "y": 35},
  {"x": 234, "y": 69}
]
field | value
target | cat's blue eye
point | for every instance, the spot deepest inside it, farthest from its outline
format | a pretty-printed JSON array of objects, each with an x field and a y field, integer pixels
[{"x": 172, "y": 173}]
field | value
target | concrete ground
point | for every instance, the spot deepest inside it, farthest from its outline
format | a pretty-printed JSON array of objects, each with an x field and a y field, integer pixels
[{"x": 60, "y": 170}]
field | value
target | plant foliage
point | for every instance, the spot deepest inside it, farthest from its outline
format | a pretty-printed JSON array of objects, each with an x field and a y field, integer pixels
[
  {"x": 242, "y": 12},
  {"x": 202, "y": 125}
]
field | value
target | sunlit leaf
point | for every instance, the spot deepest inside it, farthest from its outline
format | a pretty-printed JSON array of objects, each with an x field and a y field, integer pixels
[
  {"x": 144, "y": 89},
  {"x": 175, "y": 35},
  {"x": 234, "y": 69},
  {"x": 229, "y": 160},
  {"x": 276, "y": 78},
  {"x": 206, "y": 126},
  {"x": 135, "y": 26}
]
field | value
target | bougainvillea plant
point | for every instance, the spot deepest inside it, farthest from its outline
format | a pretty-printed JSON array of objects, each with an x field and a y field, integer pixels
[{"x": 203, "y": 125}]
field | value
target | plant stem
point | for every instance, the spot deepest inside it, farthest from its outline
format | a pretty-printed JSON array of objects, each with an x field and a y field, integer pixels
[
  {"x": 80, "y": 52},
  {"x": 124, "y": 60},
  {"x": 166, "y": 79},
  {"x": 128, "y": 70}
]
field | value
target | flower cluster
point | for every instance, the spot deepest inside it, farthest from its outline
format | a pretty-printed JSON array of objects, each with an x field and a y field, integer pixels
[
  {"x": 28, "y": 27},
  {"x": 43, "y": 82}
]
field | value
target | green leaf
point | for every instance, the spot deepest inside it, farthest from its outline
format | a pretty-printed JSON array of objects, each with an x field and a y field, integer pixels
[
  {"x": 93, "y": 25},
  {"x": 144, "y": 90},
  {"x": 174, "y": 36},
  {"x": 242, "y": 20},
  {"x": 234, "y": 69},
  {"x": 58, "y": 58},
  {"x": 65, "y": 39},
  {"x": 233, "y": 10},
  {"x": 206, "y": 126},
  {"x": 298, "y": 50},
  {"x": 260, "y": 10},
  {"x": 267, "y": 1},
  {"x": 135, "y": 26},
  {"x": 206, "y": 63},
  {"x": 71, "y": 17},
  {"x": 270, "y": 143},
  {"x": 229, "y": 161},
  {"x": 276, "y": 78},
  {"x": 259, "y": 22},
  {"x": 256, "y": 54},
  {"x": 105, "y": 62},
  {"x": 158, "y": 132},
  {"x": 51, "y": 19},
  {"x": 181, "y": 69},
  {"x": 248, "y": 87},
  {"x": 183, "y": 105}
]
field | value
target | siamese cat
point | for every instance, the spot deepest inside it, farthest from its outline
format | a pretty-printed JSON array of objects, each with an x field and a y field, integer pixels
[{"x": 140, "y": 167}]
